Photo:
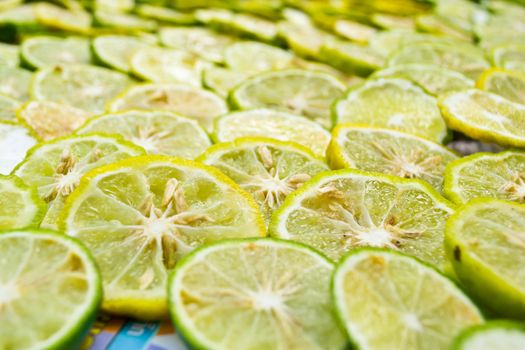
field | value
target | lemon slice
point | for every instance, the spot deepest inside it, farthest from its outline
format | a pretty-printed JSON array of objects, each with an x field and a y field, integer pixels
[
  {"x": 140, "y": 216},
  {"x": 484, "y": 241},
  {"x": 492, "y": 335},
  {"x": 20, "y": 204},
  {"x": 268, "y": 169},
  {"x": 274, "y": 124},
  {"x": 59, "y": 18},
  {"x": 201, "y": 105},
  {"x": 55, "y": 167},
  {"x": 296, "y": 91},
  {"x": 8, "y": 107},
  {"x": 50, "y": 285},
  {"x": 116, "y": 51},
  {"x": 158, "y": 132},
  {"x": 508, "y": 84},
  {"x": 338, "y": 211},
  {"x": 9, "y": 54},
  {"x": 15, "y": 82},
  {"x": 82, "y": 86},
  {"x": 50, "y": 120},
  {"x": 269, "y": 294},
  {"x": 509, "y": 56},
  {"x": 394, "y": 104},
  {"x": 222, "y": 80},
  {"x": 43, "y": 51},
  {"x": 15, "y": 141},
  {"x": 252, "y": 57},
  {"x": 351, "y": 58},
  {"x": 389, "y": 152},
  {"x": 416, "y": 306}
]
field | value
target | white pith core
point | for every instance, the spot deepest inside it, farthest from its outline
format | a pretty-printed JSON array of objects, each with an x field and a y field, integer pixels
[
  {"x": 412, "y": 322},
  {"x": 515, "y": 188},
  {"x": 8, "y": 293},
  {"x": 149, "y": 138}
]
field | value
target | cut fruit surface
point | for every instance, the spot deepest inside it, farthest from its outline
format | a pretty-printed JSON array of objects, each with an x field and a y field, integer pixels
[
  {"x": 508, "y": 84},
  {"x": 492, "y": 335},
  {"x": 116, "y": 51},
  {"x": 8, "y": 107},
  {"x": 9, "y": 55},
  {"x": 43, "y": 51},
  {"x": 20, "y": 205},
  {"x": 253, "y": 57},
  {"x": 222, "y": 80},
  {"x": 15, "y": 82},
  {"x": 15, "y": 141},
  {"x": 351, "y": 58},
  {"x": 509, "y": 56},
  {"x": 50, "y": 15}
]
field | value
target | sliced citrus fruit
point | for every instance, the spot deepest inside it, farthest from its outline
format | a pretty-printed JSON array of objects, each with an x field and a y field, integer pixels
[
  {"x": 274, "y": 124},
  {"x": 9, "y": 55},
  {"x": 15, "y": 141},
  {"x": 351, "y": 58},
  {"x": 57, "y": 17},
  {"x": 23, "y": 15},
  {"x": 508, "y": 84},
  {"x": 222, "y": 80},
  {"x": 252, "y": 57},
  {"x": 51, "y": 285},
  {"x": 492, "y": 335},
  {"x": 388, "y": 41},
  {"x": 164, "y": 14},
  {"x": 416, "y": 306},
  {"x": 110, "y": 18},
  {"x": 509, "y": 56},
  {"x": 484, "y": 240},
  {"x": 116, "y": 51},
  {"x": 15, "y": 82},
  {"x": 55, "y": 167},
  {"x": 140, "y": 216},
  {"x": 20, "y": 205},
  {"x": 42, "y": 51},
  {"x": 341, "y": 210},
  {"x": 394, "y": 104},
  {"x": 8, "y": 107},
  {"x": 389, "y": 21},
  {"x": 82, "y": 86},
  {"x": 268, "y": 169},
  {"x": 158, "y": 132},
  {"x": 354, "y": 31},
  {"x": 296, "y": 91},
  {"x": 271, "y": 294},
  {"x": 303, "y": 38},
  {"x": 389, "y": 152},
  {"x": 50, "y": 120},
  {"x": 201, "y": 105},
  {"x": 439, "y": 24},
  {"x": 251, "y": 26}
]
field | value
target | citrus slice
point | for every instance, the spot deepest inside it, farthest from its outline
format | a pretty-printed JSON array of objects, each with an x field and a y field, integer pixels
[
  {"x": 508, "y": 84},
  {"x": 433, "y": 79},
  {"x": 201, "y": 105},
  {"x": 15, "y": 82},
  {"x": 485, "y": 116},
  {"x": 42, "y": 51},
  {"x": 9, "y": 4},
  {"x": 351, "y": 58},
  {"x": 492, "y": 335},
  {"x": 57, "y": 17},
  {"x": 9, "y": 55},
  {"x": 50, "y": 120},
  {"x": 394, "y": 104},
  {"x": 270, "y": 294},
  {"x": 158, "y": 132},
  {"x": 168, "y": 66},
  {"x": 222, "y": 80},
  {"x": 8, "y": 107},
  {"x": 341, "y": 210},
  {"x": 140, "y": 216},
  {"x": 200, "y": 41},
  {"x": 116, "y": 51},
  {"x": 268, "y": 169},
  {"x": 82, "y": 86},
  {"x": 296, "y": 91},
  {"x": 20, "y": 205},
  {"x": 390, "y": 152},
  {"x": 417, "y": 307},
  {"x": 49, "y": 284},
  {"x": 440, "y": 24},
  {"x": 122, "y": 21},
  {"x": 164, "y": 14},
  {"x": 114, "y": 5},
  {"x": 303, "y": 38},
  {"x": 255, "y": 27},
  {"x": 509, "y": 56},
  {"x": 484, "y": 241},
  {"x": 15, "y": 141},
  {"x": 23, "y": 15},
  {"x": 252, "y": 57},
  {"x": 274, "y": 124},
  {"x": 55, "y": 167},
  {"x": 388, "y": 21},
  {"x": 354, "y": 31}
]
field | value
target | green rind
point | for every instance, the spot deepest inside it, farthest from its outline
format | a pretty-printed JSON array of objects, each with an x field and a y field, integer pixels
[
  {"x": 465, "y": 336},
  {"x": 39, "y": 203}
]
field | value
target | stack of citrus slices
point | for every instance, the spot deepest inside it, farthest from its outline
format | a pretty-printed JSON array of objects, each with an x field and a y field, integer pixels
[{"x": 279, "y": 174}]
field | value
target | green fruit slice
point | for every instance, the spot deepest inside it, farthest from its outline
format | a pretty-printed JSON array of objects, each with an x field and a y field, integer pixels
[
  {"x": 15, "y": 82},
  {"x": 8, "y": 108},
  {"x": 393, "y": 104},
  {"x": 417, "y": 307},
  {"x": 390, "y": 152},
  {"x": 252, "y": 57},
  {"x": 50, "y": 15},
  {"x": 82, "y": 86},
  {"x": 222, "y": 80},
  {"x": 158, "y": 132},
  {"x": 484, "y": 241},
  {"x": 492, "y": 335},
  {"x": 50, "y": 284},
  {"x": 353, "y": 30},
  {"x": 201, "y": 105},
  {"x": 121, "y": 21},
  {"x": 116, "y": 51},
  {"x": 9, "y": 54},
  {"x": 43, "y": 51},
  {"x": 15, "y": 141},
  {"x": 269, "y": 294},
  {"x": 341, "y": 210},
  {"x": 140, "y": 216},
  {"x": 164, "y": 14},
  {"x": 440, "y": 24},
  {"x": 508, "y": 84},
  {"x": 270, "y": 123},
  {"x": 296, "y": 91},
  {"x": 351, "y": 58},
  {"x": 303, "y": 38},
  {"x": 55, "y": 167},
  {"x": 509, "y": 56},
  {"x": 20, "y": 205}
]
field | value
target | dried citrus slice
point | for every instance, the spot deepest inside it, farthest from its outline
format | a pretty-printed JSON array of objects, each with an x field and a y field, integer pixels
[
  {"x": 351, "y": 58},
  {"x": 50, "y": 15},
  {"x": 509, "y": 56},
  {"x": 222, "y": 80},
  {"x": 42, "y": 51},
  {"x": 15, "y": 141},
  {"x": 15, "y": 82},
  {"x": 116, "y": 51},
  {"x": 110, "y": 18},
  {"x": 252, "y": 57},
  {"x": 9, "y": 55},
  {"x": 8, "y": 108},
  {"x": 20, "y": 205},
  {"x": 508, "y": 84}
]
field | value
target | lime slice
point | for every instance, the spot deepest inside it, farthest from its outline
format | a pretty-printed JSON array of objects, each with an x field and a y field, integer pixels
[
  {"x": 59, "y": 18},
  {"x": 116, "y": 51},
  {"x": 15, "y": 141},
  {"x": 252, "y": 57},
  {"x": 354, "y": 31},
  {"x": 442, "y": 25},
  {"x": 387, "y": 21},
  {"x": 497, "y": 175},
  {"x": 20, "y": 205},
  {"x": 15, "y": 82},
  {"x": 433, "y": 79},
  {"x": 200, "y": 41},
  {"x": 164, "y": 14},
  {"x": 492, "y": 335},
  {"x": 271, "y": 294},
  {"x": 158, "y": 132},
  {"x": 42, "y": 51},
  {"x": 509, "y": 84},
  {"x": 222, "y": 80},
  {"x": 9, "y": 4},
  {"x": 389, "y": 152},
  {"x": 394, "y": 104},
  {"x": 82, "y": 86},
  {"x": 254, "y": 27},
  {"x": 9, "y": 55},
  {"x": 55, "y": 167},
  {"x": 485, "y": 116},
  {"x": 417, "y": 307},
  {"x": 140, "y": 216},
  {"x": 339, "y": 211},
  {"x": 484, "y": 241},
  {"x": 303, "y": 38},
  {"x": 296, "y": 91},
  {"x": 20, "y": 16},
  {"x": 49, "y": 284},
  {"x": 168, "y": 66},
  {"x": 270, "y": 123},
  {"x": 114, "y": 5},
  {"x": 268, "y": 169},
  {"x": 351, "y": 58},
  {"x": 509, "y": 56},
  {"x": 121, "y": 21},
  {"x": 201, "y": 105},
  {"x": 8, "y": 107},
  {"x": 50, "y": 120}
]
